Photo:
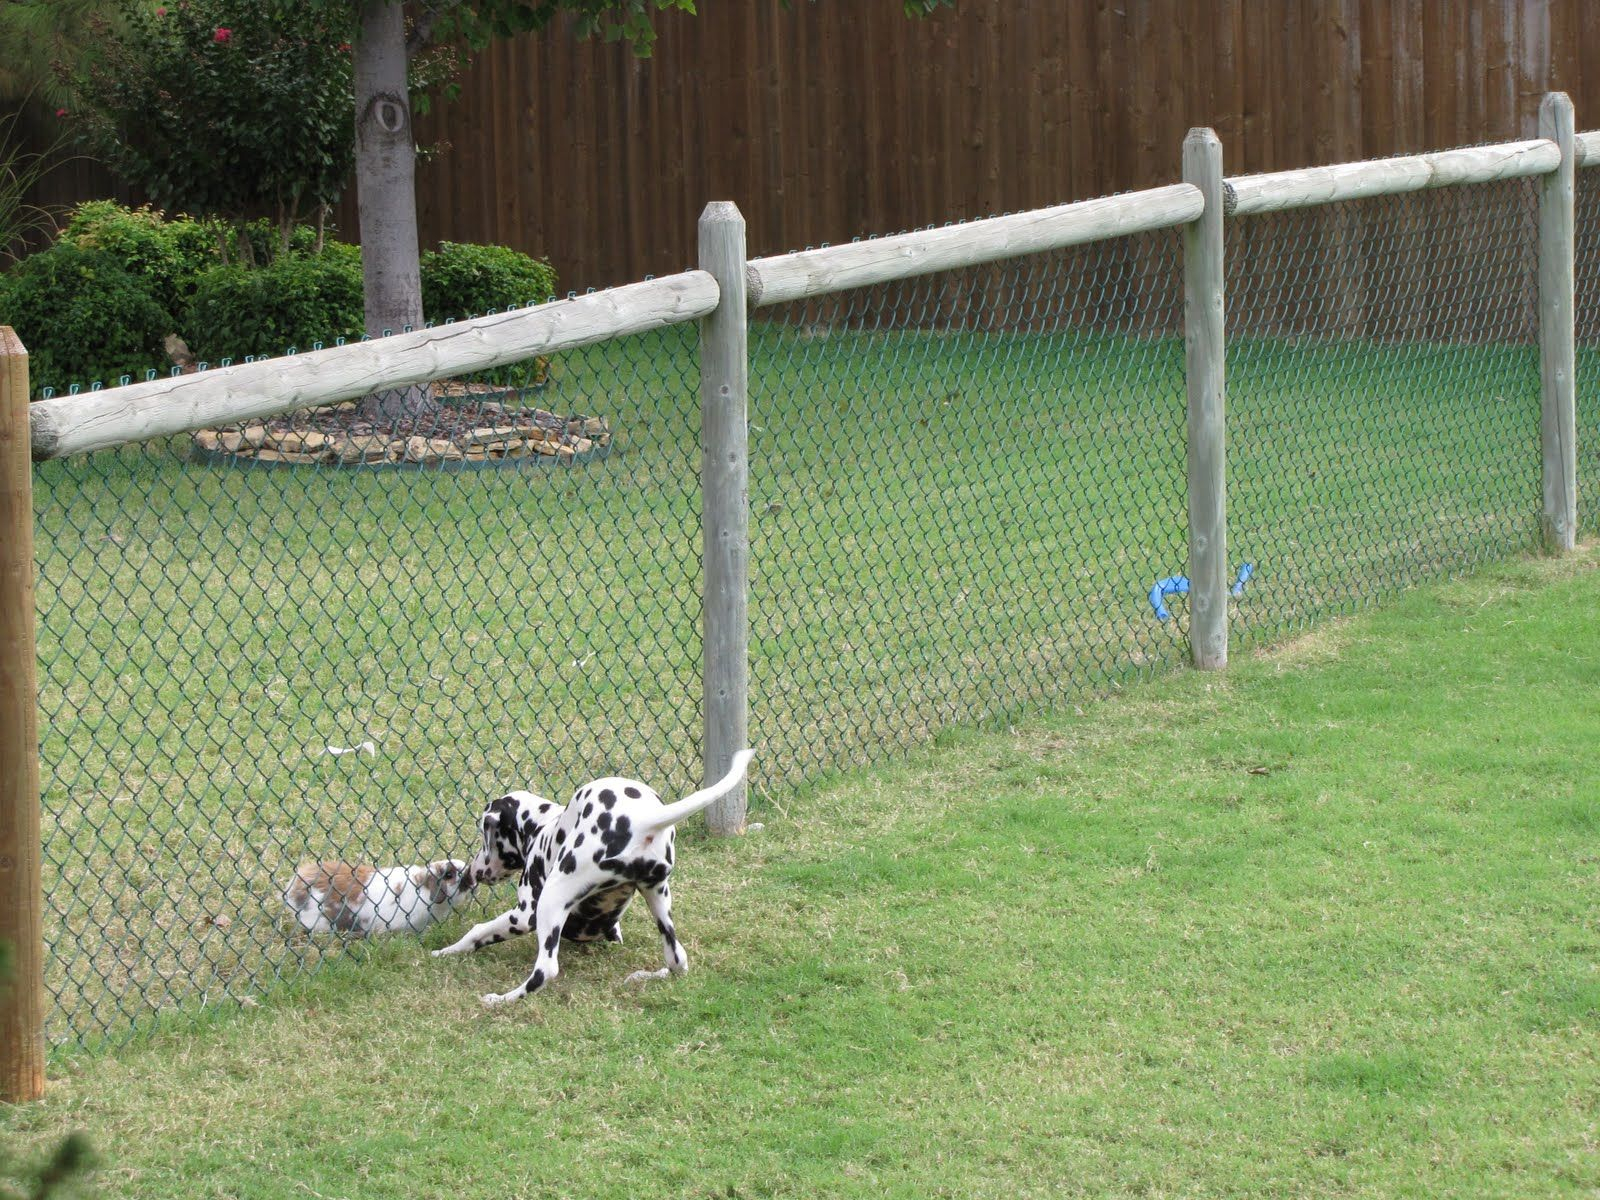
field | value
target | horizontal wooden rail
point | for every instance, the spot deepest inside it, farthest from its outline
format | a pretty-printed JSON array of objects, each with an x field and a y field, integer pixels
[
  {"x": 808, "y": 273},
  {"x": 1586, "y": 148},
  {"x": 67, "y": 425},
  {"x": 1278, "y": 190}
]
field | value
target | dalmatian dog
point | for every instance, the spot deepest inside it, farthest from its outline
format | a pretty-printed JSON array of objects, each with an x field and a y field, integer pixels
[{"x": 580, "y": 866}]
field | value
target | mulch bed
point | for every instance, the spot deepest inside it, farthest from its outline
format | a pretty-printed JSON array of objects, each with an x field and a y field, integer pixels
[{"x": 467, "y": 426}]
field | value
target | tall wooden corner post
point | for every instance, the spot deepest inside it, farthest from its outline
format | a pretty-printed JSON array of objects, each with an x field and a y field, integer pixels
[
  {"x": 1204, "y": 368},
  {"x": 21, "y": 897},
  {"x": 1558, "y": 427},
  {"x": 725, "y": 506}
]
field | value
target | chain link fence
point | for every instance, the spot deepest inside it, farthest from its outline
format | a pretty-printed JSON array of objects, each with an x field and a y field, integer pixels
[
  {"x": 247, "y": 664},
  {"x": 967, "y": 492},
  {"x": 1383, "y": 396},
  {"x": 1587, "y": 320},
  {"x": 962, "y": 489}
]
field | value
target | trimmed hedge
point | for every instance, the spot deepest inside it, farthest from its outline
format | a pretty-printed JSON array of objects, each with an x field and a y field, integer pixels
[
  {"x": 83, "y": 317},
  {"x": 99, "y": 302},
  {"x": 167, "y": 254},
  {"x": 460, "y": 280},
  {"x": 295, "y": 300}
]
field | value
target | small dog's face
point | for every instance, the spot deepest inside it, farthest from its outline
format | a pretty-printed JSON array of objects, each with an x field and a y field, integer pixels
[
  {"x": 507, "y": 828},
  {"x": 442, "y": 882}
]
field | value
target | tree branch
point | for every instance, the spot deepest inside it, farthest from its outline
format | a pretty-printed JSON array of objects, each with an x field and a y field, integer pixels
[{"x": 421, "y": 34}]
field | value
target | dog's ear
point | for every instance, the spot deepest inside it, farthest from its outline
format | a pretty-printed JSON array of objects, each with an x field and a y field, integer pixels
[
  {"x": 451, "y": 876},
  {"x": 499, "y": 818},
  {"x": 431, "y": 883}
]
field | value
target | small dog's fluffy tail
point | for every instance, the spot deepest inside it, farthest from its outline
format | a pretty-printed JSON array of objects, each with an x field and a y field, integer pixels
[{"x": 671, "y": 814}]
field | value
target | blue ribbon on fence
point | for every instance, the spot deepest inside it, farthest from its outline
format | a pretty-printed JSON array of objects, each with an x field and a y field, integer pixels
[{"x": 1178, "y": 585}]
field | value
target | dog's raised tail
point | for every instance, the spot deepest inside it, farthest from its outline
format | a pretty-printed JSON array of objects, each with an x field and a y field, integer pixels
[{"x": 671, "y": 814}]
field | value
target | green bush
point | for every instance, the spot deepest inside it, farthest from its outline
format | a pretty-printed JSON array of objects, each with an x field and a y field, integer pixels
[
  {"x": 465, "y": 281},
  {"x": 295, "y": 300},
  {"x": 98, "y": 304},
  {"x": 83, "y": 317},
  {"x": 167, "y": 254},
  {"x": 265, "y": 241},
  {"x": 231, "y": 108}
]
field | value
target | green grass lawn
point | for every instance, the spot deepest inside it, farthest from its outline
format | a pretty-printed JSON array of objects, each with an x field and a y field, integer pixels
[
  {"x": 1323, "y": 925},
  {"x": 944, "y": 529}
]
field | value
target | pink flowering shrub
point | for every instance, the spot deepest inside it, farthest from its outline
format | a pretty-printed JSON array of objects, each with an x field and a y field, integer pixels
[{"x": 215, "y": 108}]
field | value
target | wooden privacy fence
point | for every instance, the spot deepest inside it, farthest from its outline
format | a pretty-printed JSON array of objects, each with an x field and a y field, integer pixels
[{"x": 722, "y": 294}]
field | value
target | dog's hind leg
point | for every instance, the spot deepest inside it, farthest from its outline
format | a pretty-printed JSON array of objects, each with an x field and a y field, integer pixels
[
  {"x": 499, "y": 929},
  {"x": 659, "y": 898},
  {"x": 551, "y": 914}
]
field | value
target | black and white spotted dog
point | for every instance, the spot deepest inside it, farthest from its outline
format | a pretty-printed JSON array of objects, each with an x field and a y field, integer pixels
[{"x": 580, "y": 866}]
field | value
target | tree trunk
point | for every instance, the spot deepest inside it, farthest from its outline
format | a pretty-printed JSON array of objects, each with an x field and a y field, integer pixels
[{"x": 386, "y": 159}]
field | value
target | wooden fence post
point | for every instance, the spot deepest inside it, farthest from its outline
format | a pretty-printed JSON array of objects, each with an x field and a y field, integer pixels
[
  {"x": 725, "y": 506},
  {"x": 21, "y": 898},
  {"x": 1205, "y": 371},
  {"x": 1558, "y": 428}
]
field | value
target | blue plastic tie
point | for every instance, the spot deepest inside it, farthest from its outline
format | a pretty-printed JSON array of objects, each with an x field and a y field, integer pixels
[{"x": 1178, "y": 585}]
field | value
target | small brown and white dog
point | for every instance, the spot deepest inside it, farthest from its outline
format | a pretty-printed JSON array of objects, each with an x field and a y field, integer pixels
[{"x": 364, "y": 900}]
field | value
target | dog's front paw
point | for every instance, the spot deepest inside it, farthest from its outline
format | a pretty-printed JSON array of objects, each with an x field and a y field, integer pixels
[
  {"x": 445, "y": 953},
  {"x": 493, "y": 1000},
  {"x": 641, "y": 976}
]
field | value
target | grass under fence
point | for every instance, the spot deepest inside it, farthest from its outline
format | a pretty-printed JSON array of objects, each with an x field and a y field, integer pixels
[
  {"x": 944, "y": 529},
  {"x": 1323, "y": 925}
]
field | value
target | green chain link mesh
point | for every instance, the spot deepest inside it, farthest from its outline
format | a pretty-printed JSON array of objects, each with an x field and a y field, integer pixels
[
  {"x": 963, "y": 489},
  {"x": 1383, "y": 396},
  {"x": 207, "y": 632},
  {"x": 1587, "y": 320}
]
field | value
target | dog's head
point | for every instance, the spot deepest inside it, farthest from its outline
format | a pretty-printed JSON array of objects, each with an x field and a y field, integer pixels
[
  {"x": 441, "y": 882},
  {"x": 508, "y": 827}
]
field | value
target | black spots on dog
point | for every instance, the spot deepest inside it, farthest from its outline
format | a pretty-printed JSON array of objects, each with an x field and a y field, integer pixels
[
  {"x": 615, "y": 835},
  {"x": 537, "y": 981},
  {"x": 597, "y": 914},
  {"x": 569, "y": 863},
  {"x": 603, "y": 821},
  {"x": 632, "y": 793},
  {"x": 587, "y": 810},
  {"x": 554, "y": 940},
  {"x": 608, "y": 798},
  {"x": 649, "y": 871},
  {"x": 669, "y": 852},
  {"x": 533, "y": 875},
  {"x": 577, "y": 841},
  {"x": 561, "y": 837},
  {"x": 644, "y": 872}
]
